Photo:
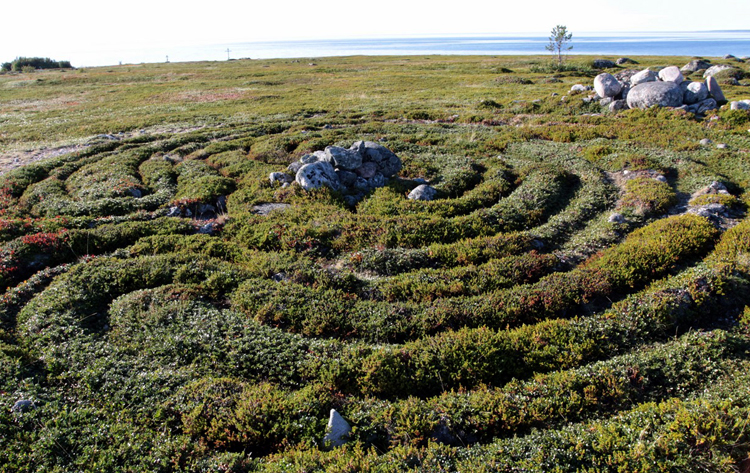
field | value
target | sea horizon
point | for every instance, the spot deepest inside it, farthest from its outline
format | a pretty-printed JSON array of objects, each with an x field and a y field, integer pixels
[{"x": 712, "y": 43}]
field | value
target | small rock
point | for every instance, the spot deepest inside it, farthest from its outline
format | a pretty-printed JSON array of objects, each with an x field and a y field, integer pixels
[
  {"x": 362, "y": 185},
  {"x": 606, "y": 85},
  {"x": 265, "y": 209},
  {"x": 671, "y": 74},
  {"x": 704, "y": 106},
  {"x": 367, "y": 170},
  {"x": 280, "y": 177},
  {"x": 207, "y": 229},
  {"x": 579, "y": 88},
  {"x": 625, "y": 60},
  {"x": 717, "y": 187},
  {"x": 346, "y": 178},
  {"x": 422, "y": 192},
  {"x": 646, "y": 75},
  {"x": 616, "y": 218},
  {"x": 327, "y": 126},
  {"x": 338, "y": 430},
  {"x": 376, "y": 181},
  {"x": 729, "y": 56},
  {"x": 174, "y": 211},
  {"x": 721, "y": 146},
  {"x": 660, "y": 178},
  {"x": 23, "y": 405},
  {"x": 618, "y": 105},
  {"x": 278, "y": 277},
  {"x": 311, "y": 158},
  {"x": 739, "y": 106},
  {"x": 135, "y": 192},
  {"x": 606, "y": 101},
  {"x": 294, "y": 167},
  {"x": 625, "y": 76},
  {"x": 705, "y": 142}
]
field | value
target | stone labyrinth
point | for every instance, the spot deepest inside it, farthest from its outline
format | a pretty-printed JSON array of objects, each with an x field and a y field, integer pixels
[{"x": 162, "y": 289}]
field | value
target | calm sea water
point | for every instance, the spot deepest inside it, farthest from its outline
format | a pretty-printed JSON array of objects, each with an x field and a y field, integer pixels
[{"x": 709, "y": 44}]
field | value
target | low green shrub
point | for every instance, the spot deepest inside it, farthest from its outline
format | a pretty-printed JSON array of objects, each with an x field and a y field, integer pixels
[{"x": 647, "y": 196}]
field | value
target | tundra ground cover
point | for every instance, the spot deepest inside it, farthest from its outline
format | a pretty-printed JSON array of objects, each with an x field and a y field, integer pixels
[{"x": 550, "y": 312}]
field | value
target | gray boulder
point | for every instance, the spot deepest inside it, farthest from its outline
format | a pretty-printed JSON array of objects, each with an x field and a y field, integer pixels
[
  {"x": 625, "y": 60},
  {"x": 422, "y": 192},
  {"x": 694, "y": 92},
  {"x": 648, "y": 94},
  {"x": 348, "y": 159},
  {"x": 294, "y": 167},
  {"x": 671, "y": 74},
  {"x": 388, "y": 163},
  {"x": 646, "y": 75},
  {"x": 618, "y": 105},
  {"x": 602, "y": 64},
  {"x": 346, "y": 178},
  {"x": 713, "y": 70},
  {"x": 695, "y": 65},
  {"x": 703, "y": 106},
  {"x": 312, "y": 158},
  {"x": 740, "y": 105},
  {"x": 367, "y": 170},
  {"x": 606, "y": 85},
  {"x": 338, "y": 430},
  {"x": 280, "y": 177},
  {"x": 376, "y": 181},
  {"x": 316, "y": 175},
  {"x": 705, "y": 142},
  {"x": 625, "y": 76},
  {"x": 715, "y": 91}
]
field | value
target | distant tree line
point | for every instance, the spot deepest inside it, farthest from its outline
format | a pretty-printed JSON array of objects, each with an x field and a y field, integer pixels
[{"x": 34, "y": 62}]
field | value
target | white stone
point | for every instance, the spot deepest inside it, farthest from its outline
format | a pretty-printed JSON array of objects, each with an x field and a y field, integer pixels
[
  {"x": 606, "y": 85},
  {"x": 671, "y": 74},
  {"x": 338, "y": 430},
  {"x": 315, "y": 175},
  {"x": 646, "y": 75},
  {"x": 422, "y": 192}
]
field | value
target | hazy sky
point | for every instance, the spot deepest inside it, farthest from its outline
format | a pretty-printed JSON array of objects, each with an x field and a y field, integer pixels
[{"x": 50, "y": 28}]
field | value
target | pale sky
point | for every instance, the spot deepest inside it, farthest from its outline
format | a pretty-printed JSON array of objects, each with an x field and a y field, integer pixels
[{"x": 50, "y": 28}]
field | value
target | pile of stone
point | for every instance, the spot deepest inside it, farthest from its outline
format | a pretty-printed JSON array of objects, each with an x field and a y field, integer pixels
[
  {"x": 354, "y": 172},
  {"x": 666, "y": 88}
]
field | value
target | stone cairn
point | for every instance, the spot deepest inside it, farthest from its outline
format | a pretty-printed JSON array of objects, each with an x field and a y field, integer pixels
[
  {"x": 354, "y": 172},
  {"x": 665, "y": 88}
]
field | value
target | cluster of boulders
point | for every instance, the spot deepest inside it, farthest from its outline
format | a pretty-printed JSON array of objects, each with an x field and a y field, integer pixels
[
  {"x": 353, "y": 171},
  {"x": 665, "y": 88}
]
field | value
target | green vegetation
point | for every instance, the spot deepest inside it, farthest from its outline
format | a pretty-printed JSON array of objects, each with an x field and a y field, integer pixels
[
  {"x": 547, "y": 312},
  {"x": 33, "y": 63}
]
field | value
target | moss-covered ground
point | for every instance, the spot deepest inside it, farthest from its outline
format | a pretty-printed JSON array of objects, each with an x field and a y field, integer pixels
[{"x": 558, "y": 308}]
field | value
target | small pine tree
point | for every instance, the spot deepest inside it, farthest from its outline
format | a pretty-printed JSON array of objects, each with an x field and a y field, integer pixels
[{"x": 558, "y": 40}]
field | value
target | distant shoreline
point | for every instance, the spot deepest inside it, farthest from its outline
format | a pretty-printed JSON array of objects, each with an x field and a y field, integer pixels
[{"x": 704, "y": 43}]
